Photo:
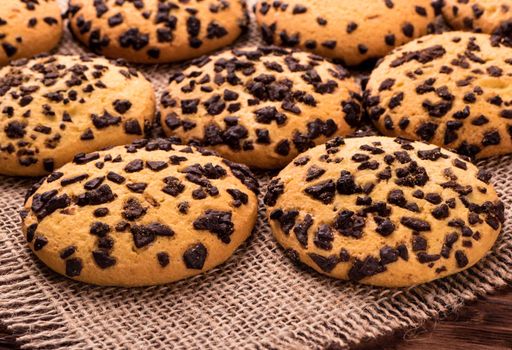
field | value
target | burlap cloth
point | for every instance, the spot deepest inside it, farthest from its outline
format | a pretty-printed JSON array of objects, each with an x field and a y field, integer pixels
[{"x": 255, "y": 300}]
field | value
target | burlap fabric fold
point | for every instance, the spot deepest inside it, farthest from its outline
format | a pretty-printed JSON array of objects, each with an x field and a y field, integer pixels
[{"x": 258, "y": 299}]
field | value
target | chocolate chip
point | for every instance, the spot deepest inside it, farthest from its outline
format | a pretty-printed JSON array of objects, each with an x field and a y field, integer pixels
[
  {"x": 122, "y": 106},
  {"x": 314, "y": 172},
  {"x": 134, "y": 166},
  {"x": 146, "y": 234},
  {"x": 388, "y": 255},
  {"x": 31, "y": 230},
  {"x": 72, "y": 180},
  {"x": 217, "y": 222},
  {"x": 116, "y": 178},
  {"x": 40, "y": 242},
  {"x": 106, "y": 243},
  {"x": 365, "y": 268},
  {"x": 301, "y": 230},
  {"x": 87, "y": 135},
  {"x": 346, "y": 185},
  {"x": 99, "y": 229},
  {"x": 461, "y": 258},
  {"x": 133, "y": 210},
  {"x": 176, "y": 160},
  {"x": 195, "y": 256},
  {"x": 419, "y": 243},
  {"x": 115, "y": 20},
  {"x": 102, "y": 259},
  {"x": 326, "y": 264},
  {"x": 349, "y": 224},
  {"x": 156, "y": 165},
  {"x": 385, "y": 228},
  {"x": 426, "y": 131},
  {"x": 96, "y": 197},
  {"x": 105, "y": 120},
  {"x": 189, "y": 106},
  {"x": 283, "y": 147},
  {"x": 301, "y": 161},
  {"x": 122, "y": 226},
  {"x": 9, "y": 49},
  {"x": 163, "y": 259},
  {"x": 323, "y": 191},
  {"x": 138, "y": 187},
  {"x": 441, "y": 212},
  {"x": 324, "y": 237},
  {"x": 415, "y": 223},
  {"x": 484, "y": 176},
  {"x": 286, "y": 219},
  {"x": 54, "y": 176},
  {"x": 173, "y": 186},
  {"x": 397, "y": 197},
  {"x": 82, "y": 158},
  {"x": 100, "y": 212},
  {"x": 433, "y": 198},
  {"x": 239, "y": 197},
  {"x": 73, "y": 267},
  {"x": 425, "y": 258},
  {"x": 275, "y": 189}
]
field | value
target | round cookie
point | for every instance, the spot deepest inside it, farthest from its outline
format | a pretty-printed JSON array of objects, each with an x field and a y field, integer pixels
[
  {"x": 53, "y": 107},
  {"x": 345, "y": 29},
  {"x": 490, "y": 16},
  {"x": 452, "y": 90},
  {"x": 261, "y": 106},
  {"x": 143, "y": 214},
  {"x": 28, "y": 28},
  {"x": 157, "y": 31},
  {"x": 384, "y": 211}
]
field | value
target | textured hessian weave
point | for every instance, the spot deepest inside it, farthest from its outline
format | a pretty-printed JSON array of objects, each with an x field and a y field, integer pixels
[{"x": 258, "y": 299}]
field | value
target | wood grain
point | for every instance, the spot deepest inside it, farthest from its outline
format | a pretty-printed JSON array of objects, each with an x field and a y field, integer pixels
[{"x": 485, "y": 324}]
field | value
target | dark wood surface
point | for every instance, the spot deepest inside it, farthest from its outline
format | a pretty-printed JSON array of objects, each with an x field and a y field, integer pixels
[{"x": 485, "y": 324}]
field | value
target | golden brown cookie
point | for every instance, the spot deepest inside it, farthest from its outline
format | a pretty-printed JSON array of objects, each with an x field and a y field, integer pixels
[
  {"x": 54, "y": 107},
  {"x": 489, "y": 16},
  {"x": 261, "y": 106},
  {"x": 28, "y": 28},
  {"x": 143, "y": 214},
  {"x": 453, "y": 90},
  {"x": 353, "y": 31},
  {"x": 384, "y": 211},
  {"x": 157, "y": 31}
]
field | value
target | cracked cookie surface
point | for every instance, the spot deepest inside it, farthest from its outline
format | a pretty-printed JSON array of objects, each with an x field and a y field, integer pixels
[
  {"x": 261, "y": 106},
  {"x": 27, "y": 28},
  {"x": 53, "y": 107},
  {"x": 157, "y": 31},
  {"x": 453, "y": 90},
  {"x": 345, "y": 29},
  {"x": 147, "y": 213},
  {"x": 384, "y": 211}
]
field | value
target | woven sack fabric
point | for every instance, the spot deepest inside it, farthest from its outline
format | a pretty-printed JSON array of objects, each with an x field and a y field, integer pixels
[{"x": 257, "y": 300}]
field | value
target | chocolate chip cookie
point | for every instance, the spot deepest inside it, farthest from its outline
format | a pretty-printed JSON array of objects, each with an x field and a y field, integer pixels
[
  {"x": 54, "y": 107},
  {"x": 384, "y": 211},
  {"x": 28, "y": 27},
  {"x": 261, "y": 106},
  {"x": 452, "y": 90},
  {"x": 351, "y": 30},
  {"x": 157, "y": 31},
  {"x": 143, "y": 214},
  {"x": 490, "y": 16}
]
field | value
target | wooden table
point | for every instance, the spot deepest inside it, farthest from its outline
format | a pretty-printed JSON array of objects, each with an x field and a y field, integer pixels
[{"x": 485, "y": 324}]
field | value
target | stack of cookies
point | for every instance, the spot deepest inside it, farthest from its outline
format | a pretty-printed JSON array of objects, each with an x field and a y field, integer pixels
[{"x": 143, "y": 190}]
